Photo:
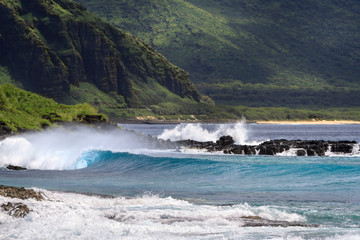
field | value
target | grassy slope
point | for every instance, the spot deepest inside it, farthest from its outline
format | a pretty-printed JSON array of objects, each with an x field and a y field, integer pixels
[
  {"x": 5, "y": 76},
  {"x": 20, "y": 109},
  {"x": 24, "y": 110},
  {"x": 207, "y": 111},
  {"x": 256, "y": 53}
]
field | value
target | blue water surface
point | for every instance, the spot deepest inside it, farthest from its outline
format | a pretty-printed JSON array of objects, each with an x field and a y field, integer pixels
[{"x": 326, "y": 190}]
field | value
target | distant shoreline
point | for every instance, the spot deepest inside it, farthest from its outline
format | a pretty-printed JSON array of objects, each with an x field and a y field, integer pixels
[
  {"x": 295, "y": 122},
  {"x": 315, "y": 122}
]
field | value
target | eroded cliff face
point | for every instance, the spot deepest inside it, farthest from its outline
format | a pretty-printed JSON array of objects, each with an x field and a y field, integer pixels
[{"x": 50, "y": 44}]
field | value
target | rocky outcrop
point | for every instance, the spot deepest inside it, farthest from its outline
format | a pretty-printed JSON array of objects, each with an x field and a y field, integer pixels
[
  {"x": 20, "y": 193},
  {"x": 16, "y": 168},
  {"x": 255, "y": 221},
  {"x": 302, "y": 147},
  {"x": 50, "y": 44},
  {"x": 18, "y": 210},
  {"x": 226, "y": 144},
  {"x": 308, "y": 148},
  {"x": 242, "y": 221}
]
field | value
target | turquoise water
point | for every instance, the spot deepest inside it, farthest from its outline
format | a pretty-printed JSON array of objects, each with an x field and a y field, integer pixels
[{"x": 324, "y": 191}]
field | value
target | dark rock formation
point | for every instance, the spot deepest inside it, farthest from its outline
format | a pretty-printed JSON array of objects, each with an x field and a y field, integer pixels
[
  {"x": 18, "y": 210},
  {"x": 12, "y": 167},
  {"x": 49, "y": 44},
  {"x": 21, "y": 193},
  {"x": 255, "y": 221},
  {"x": 272, "y": 147},
  {"x": 244, "y": 221},
  {"x": 301, "y": 152},
  {"x": 343, "y": 147},
  {"x": 225, "y": 141},
  {"x": 5, "y": 131},
  {"x": 241, "y": 149}
]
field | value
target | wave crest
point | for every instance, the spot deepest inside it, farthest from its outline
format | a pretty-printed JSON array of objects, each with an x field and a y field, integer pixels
[
  {"x": 62, "y": 148},
  {"x": 198, "y": 132}
]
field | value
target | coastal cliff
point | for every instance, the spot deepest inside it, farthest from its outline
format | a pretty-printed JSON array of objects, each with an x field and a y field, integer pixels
[{"x": 50, "y": 45}]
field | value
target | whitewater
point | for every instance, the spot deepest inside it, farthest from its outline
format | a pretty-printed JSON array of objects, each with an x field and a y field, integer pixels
[{"x": 108, "y": 184}]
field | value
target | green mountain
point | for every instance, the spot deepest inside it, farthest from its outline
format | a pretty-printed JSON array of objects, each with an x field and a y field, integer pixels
[
  {"x": 253, "y": 52},
  {"x": 58, "y": 49},
  {"x": 21, "y": 110}
]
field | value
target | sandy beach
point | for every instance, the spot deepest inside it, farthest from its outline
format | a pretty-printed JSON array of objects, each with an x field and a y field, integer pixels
[{"x": 332, "y": 122}]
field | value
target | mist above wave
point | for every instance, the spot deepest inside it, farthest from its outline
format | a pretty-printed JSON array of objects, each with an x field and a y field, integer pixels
[
  {"x": 61, "y": 148},
  {"x": 67, "y": 148},
  {"x": 198, "y": 132}
]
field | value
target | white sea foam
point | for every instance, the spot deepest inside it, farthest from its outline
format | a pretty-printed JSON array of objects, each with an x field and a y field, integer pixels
[
  {"x": 335, "y": 237},
  {"x": 60, "y": 148},
  {"x": 293, "y": 152},
  {"x": 198, "y": 132},
  {"x": 354, "y": 153},
  {"x": 75, "y": 216},
  {"x": 289, "y": 153},
  {"x": 356, "y": 149}
]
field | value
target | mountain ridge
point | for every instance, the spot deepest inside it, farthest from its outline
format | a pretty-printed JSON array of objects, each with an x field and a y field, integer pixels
[
  {"x": 49, "y": 46},
  {"x": 246, "y": 52}
]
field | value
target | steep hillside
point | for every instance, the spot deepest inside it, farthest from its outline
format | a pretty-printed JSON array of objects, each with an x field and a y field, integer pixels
[
  {"x": 21, "y": 110},
  {"x": 58, "y": 49},
  {"x": 255, "y": 53}
]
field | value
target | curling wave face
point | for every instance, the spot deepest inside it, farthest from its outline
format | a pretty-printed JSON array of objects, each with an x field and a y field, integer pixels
[
  {"x": 72, "y": 148},
  {"x": 61, "y": 148}
]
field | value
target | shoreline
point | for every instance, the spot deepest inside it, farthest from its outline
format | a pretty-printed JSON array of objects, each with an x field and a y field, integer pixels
[
  {"x": 279, "y": 122},
  {"x": 159, "y": 122},
  {"x": 310, "y": 122}
]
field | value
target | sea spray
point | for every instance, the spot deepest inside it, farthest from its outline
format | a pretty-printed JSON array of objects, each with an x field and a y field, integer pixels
[
  {"x": 173, "y": 195},
  {"x": 61, "y": 148},
  {"x": 142, "y": 217},
  {"x": 198, "y": 132}
]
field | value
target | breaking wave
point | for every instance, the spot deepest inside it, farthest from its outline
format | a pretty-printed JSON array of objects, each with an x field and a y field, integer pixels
[
  {"x": 59, "y": 149},
  {"x": 197, "y": 132}
]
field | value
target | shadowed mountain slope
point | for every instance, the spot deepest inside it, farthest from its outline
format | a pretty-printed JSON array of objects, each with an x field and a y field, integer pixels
[
  {"x": 58, "y": 49},
  {"x": 255, "y": 53}
]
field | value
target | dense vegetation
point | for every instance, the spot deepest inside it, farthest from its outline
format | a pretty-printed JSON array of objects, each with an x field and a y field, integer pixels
[
  {"x": 20, "y": 109},
  {"x": 206, "y": 112},
  {"x": 241, "y": 52},
  {"x": 53, "y": 47},
  {"x": 24, "y": 110},
  {"x": 255, "y": 53}
]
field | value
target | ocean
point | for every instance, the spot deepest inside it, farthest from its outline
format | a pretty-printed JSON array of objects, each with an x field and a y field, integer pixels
[{"x": 108, "y": 185}]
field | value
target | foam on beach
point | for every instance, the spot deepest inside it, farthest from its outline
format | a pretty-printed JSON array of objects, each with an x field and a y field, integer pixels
[
  {"x": 69, "y": 215},
  {"x": 77, "y": 216}
]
